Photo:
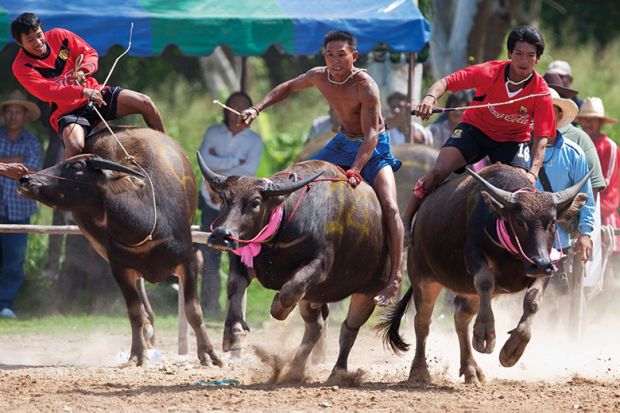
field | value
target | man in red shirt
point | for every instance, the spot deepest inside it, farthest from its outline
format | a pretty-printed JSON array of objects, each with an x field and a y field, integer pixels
[
  {"x": 57, "y": 67},
  {"x": 502, "y": 131},
  {"x": 592, "y": 118}
]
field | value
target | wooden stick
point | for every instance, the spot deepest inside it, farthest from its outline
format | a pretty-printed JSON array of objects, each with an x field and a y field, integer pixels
[{"x": 217, "y": 102}]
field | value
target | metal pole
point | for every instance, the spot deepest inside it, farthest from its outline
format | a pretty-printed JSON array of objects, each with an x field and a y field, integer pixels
[{"x": 410, "y": 97}]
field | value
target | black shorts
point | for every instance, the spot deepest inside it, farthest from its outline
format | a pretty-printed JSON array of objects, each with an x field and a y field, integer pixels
[
  {"x": 474, "y": 145},
  {"x": 86, "y": 116}
]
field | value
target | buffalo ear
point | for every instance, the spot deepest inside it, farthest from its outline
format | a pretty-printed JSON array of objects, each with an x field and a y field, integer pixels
[
  {"x": 568, "y": 217},
  {"x": 494, "y": 205}
]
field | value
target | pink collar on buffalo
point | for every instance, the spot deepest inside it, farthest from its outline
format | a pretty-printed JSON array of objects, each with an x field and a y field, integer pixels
[
  {"x": 252, "y": 247},
  {"x": 506, "y": 242}
]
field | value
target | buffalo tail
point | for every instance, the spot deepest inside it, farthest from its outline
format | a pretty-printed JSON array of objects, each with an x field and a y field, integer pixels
[{"x": 390, "y": 324}]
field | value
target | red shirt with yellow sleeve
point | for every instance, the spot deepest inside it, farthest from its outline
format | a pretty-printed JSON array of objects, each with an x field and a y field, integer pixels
[
  {"x": 510, "y": 122},
  {"x": 50, "y": 77}
]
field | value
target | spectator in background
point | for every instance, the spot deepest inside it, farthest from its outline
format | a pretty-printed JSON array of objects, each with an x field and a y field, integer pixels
[
  {"x": 592, "y": 118},
  {"x": 442, "y": 130},
  {"x": 570, "y": 131},
  {"x": 563, "y": 69},
  {"x": 399, "y": 119},
  {"x": 228, "y": 148},
  {"x": 17, "y": 146}
]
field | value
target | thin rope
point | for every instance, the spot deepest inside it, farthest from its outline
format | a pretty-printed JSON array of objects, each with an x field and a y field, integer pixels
[
  {"x": 118, "y": 58},
  {"x": 489, "y": 105}
]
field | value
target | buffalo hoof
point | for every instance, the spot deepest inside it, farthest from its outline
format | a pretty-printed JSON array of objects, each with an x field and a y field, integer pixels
[
  {"x": 341, "y": 377},
  {"x": 473, "y": 374},
  {"x": 293, "y": 375},
  {"x": 278, "y": 311},
  {"x": 484, "y": 335},
  {"x": 514, "y": 347},
  {"x": 419, "y": 375},
  {"x": 134, "y": 361},
  {"x": 149, "y": 335},
  {"x": 212, "y": 360},
  {"x": 233, "y": 338}
]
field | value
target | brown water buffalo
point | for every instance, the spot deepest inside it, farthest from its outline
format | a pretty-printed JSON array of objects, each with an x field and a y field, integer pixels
[
  {"x": 331, "y": 247},
  {"x": 455, "y": 245},
  {"x": 138, "y": 219}
]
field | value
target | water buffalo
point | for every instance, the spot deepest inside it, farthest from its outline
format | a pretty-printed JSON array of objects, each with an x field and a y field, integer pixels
[
  {"x": 329, "y": 244},
  {"x": 138, "y": 219},
  {"x": 455, "y": 245}
]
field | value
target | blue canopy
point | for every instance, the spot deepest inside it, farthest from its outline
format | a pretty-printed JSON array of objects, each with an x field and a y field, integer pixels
[{"x": 248, "y": 27}]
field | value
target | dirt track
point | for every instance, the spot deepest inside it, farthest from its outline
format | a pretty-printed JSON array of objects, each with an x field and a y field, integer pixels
[{"x": 82, "y": 373}]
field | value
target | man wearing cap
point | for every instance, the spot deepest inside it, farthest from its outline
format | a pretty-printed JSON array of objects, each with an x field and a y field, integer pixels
[
  {"x": 17, "y": 146},
  {"x": 563, "y": 69},
  {"x": 563, "y": 166},
  {"x": 57, "y": 67},
  {"x": 570, "y": 131},
  {"x": 592, "y": 118}
]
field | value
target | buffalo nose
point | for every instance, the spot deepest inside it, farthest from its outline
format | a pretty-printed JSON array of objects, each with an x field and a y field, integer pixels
[
  {"x": 220, "y": 237},
  {"x": 24, "y": 180},
  {"x": 542, "y": 267}
]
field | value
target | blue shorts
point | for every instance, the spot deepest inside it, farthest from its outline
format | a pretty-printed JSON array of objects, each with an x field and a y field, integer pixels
[{"x": 341, "y": 151}]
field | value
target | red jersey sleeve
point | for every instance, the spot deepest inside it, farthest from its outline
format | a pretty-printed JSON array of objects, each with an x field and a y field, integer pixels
[
  {"x": 45, "y": 89},
  {"x": 479, "y": 76},
  {"x": 544, "y": 115}
]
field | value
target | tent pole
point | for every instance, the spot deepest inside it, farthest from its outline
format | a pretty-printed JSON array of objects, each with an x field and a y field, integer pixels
[{"x": 410, "y": 97}]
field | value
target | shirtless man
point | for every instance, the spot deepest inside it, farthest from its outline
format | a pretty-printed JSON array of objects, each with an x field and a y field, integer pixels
[
  {"x": 57, "y": 67},
  {"x": 362, "y": 147}
]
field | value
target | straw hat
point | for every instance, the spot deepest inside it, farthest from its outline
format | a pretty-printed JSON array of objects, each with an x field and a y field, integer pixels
[
  {"x": 18, "y": 98},
  {"x": 569, "y": 109},
  {"x": 592, "y": 107}
]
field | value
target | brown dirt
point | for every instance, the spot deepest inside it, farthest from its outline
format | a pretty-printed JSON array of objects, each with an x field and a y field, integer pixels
[{"x": 83, "y": 373}]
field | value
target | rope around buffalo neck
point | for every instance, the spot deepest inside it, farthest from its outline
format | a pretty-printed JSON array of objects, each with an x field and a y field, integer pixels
[{"x": 129, "y": 158}]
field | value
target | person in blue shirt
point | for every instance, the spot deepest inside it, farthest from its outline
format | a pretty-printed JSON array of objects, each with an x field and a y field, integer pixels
[
  {"x": 23, "y": 151},
  {"x": 564, "y": 165}
]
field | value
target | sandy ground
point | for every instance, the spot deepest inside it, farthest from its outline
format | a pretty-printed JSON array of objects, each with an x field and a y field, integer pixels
[{"x": 84, "y": 373}]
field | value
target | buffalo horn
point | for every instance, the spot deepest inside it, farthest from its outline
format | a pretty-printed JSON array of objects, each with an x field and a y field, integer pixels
[
  {"x": 278, "y": 189},
  {"x": 564, "y": 197},
  {"x": 100, "y": 163},
  {"x": 506, "y": 198},
  {"x": 215, "y": 180}
]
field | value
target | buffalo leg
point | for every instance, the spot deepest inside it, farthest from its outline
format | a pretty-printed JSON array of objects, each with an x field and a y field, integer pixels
[
  {"x": 320, "y": 349},
  {"x": 235, "y": 326},
  {"x": 519, "y": 337},
  {"x": 314, "y": 325},
  {"x": 294, "y": 289},
  {"x": 360, "y": 310},
  {"x": 425, "y": 296},
  {"x": 193, "y": 312},
  {"x": 149, "y": 328},
  {"x": 484, "y": 326},
  {"x": 464, "y": 311},
  {"x": 127, "y": 281}
]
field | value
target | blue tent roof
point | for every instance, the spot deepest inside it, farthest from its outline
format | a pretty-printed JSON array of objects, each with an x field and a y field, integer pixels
[{"x": 248, "y": 27}]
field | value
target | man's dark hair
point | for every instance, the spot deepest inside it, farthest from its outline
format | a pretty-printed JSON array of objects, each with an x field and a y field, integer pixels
[
  {"x": 527, "y": 34},
  {"x": 336, "y": 35},
  {"x": 230, "y": 98},
  {"x": 24, "y": 23}
]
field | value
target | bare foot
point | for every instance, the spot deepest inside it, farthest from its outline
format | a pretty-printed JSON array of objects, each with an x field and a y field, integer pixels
[{"x": 384, "y": 298}]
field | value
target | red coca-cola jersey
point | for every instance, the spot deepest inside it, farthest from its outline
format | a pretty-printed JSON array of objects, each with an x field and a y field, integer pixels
[
  {"x": 50, "y": 77},
  {"x": 511, "y": 122}
]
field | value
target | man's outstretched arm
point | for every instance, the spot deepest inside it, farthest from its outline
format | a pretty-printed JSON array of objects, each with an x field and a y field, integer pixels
[{"x": 279, "y": 93}]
